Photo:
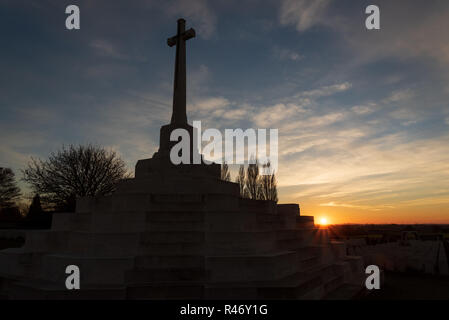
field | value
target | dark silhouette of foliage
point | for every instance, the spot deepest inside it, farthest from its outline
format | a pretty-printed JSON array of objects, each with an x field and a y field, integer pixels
[
  {"x": 37, "y": 218},
  {"x": 72, "y": 172},
  {"x": 9, "y": 192},
  {"x": 35, "y": 210},
  {"x": 255, "y": 186},
  {"x": 225, "y": 174},
  {"x": 241, "y": 177},
  {"x": 252, "y": 181},
  {"x": 268, "y": 184}
]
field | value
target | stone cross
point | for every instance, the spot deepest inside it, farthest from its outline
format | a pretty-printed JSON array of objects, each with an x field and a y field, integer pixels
[{"x": 179, "y": 116}]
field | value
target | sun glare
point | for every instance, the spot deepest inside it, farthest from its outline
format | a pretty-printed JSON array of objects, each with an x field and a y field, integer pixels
[{"x": 324, "y": 222}]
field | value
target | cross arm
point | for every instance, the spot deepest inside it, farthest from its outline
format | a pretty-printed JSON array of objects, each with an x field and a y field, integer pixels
[
  {"x": 189, "y": 34},
  {"x": 172, "y": 41}
]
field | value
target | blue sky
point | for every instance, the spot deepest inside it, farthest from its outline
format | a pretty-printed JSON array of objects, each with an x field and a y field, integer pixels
[{"x": 363, "y": 116}]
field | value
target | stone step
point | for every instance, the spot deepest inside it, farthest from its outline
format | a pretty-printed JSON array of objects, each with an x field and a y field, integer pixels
[
  {"x": 339, "y": 249},
  {"x": 326, "y": 271},
  {"x": 240, "y": 243},
  {"x": 155, "y": 237},
  {"x": 175, "y": 226},
  {"x": 177, "y": 216},
  {"x": 356, "y": 263},
  {"x": 129, "y": 221},
  {"x": 240, "y": 236},
  {"x": 266, "y": 225},
  {"x": 17, "y": 262},
  {"x": 332, "y": 276},
  {"x": 103, "y": 244},
  {"x": 307, "y": 262},
  {"x": 305, "y": 222},
  {"x": 289, "y": 287},
  {"x": 170, "y": 261},
  {"x": 309, "y": 284},
  {"x": 45, "y": 240},
  {"x": 257, "y": 206},
  {"x": 292, "y": 244},
  {"x": 165, "y": 291},
  {"x": 306, "y": 284},
  {"x": 138, "y": 276},
  {"x": 120, "y": 222},
  {"x": 231, "y": 222},
  {"x": 308, "y": 250},
  {"x": 175, "y": 249},
  {"x": 175, "y": 207},
  {"x": 356, "y": 270},
  {"x": 294, "y": 240},
  {"x": 333, "y": 284},
  {"x": 94, "y": 270},
  {"x": 271, "y": 266},
  {"x": 288, "y": 235},
  {"x": 264, "y": 217}
]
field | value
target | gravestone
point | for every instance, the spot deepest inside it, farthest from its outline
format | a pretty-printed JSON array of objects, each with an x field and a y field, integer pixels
[{"x": 179, "y": 232}]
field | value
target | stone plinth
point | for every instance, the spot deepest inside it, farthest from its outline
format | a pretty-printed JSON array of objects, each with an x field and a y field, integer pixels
[{"x": 165, "y": 235}]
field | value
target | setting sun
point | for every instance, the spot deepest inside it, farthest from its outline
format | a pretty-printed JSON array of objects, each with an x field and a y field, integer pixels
[{"x": 323, "y": 222}]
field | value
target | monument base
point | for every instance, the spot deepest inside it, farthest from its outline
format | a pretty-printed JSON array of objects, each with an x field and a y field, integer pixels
[{"x": 164, "y": 235}]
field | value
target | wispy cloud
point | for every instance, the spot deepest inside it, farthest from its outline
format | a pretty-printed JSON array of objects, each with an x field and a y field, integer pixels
[
  {"x": 198, "y": 12},
  {"x": 303, "y": 14},
  {"x": 364, "y": 109},
  {"x": 107, "y": 49},
  {"x": 287, "y": 54},
  {"x": 327, "y": 90},
  {"x": 399, "y": 96}
]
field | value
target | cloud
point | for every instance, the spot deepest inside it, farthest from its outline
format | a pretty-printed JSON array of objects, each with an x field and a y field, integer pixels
[
  {"x": 297, "y": 114},
  {"x": 412, "y": 33},
  {"x": 370, "y": 173},
  {"x": 364, "y": 109},
  {"x": 210, "y": 104},
  {"x": 348, "y": 205},
  {"x": 277, "y": 114},
  {"x": 287, "y": 54},
  {"x": 322, "y": 120},
  {"x": 400, "y": 96},
  {"x": 107, "y": 49},
  {"x": 200, "y": 14},
  {"x": 326, "y": 91},
  {"x": 304, "y": 14}
]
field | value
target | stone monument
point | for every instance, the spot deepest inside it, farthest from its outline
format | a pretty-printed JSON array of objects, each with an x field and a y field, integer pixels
[{"x": 179, "y": 232}]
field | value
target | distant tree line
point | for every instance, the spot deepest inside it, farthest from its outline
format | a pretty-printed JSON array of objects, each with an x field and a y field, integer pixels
[{"x": 252, "y": 184}]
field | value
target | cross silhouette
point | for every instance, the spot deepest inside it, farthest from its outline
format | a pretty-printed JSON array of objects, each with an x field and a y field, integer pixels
[{"x": 179, "y": 115}]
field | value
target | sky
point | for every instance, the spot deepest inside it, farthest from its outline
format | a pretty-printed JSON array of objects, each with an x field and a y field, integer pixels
[{"x": 363, "y": 116}]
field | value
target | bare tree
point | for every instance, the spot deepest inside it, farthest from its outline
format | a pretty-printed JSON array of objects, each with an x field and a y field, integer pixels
[
  {"x": 241, "y": 177},
  {"x": 74, "y": 172},
  {"x": 9, "y": 192},
  {"x": 252, "y": 181},
  {"x": 225, "y": 174},
  {"x": 268, "y": 184}
]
